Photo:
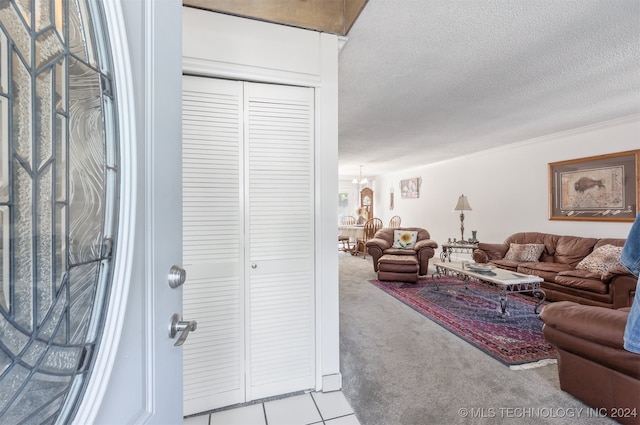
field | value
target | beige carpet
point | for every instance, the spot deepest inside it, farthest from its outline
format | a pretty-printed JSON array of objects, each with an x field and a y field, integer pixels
[{"x": 400, "y": 368}]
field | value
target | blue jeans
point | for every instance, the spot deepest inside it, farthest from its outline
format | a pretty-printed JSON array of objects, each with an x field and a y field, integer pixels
[
  {"x": 631, "y": 259},
  {"x": 632, "y": 330}
]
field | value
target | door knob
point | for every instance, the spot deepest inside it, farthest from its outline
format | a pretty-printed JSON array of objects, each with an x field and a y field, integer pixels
[{"x": 184, "y": 327}]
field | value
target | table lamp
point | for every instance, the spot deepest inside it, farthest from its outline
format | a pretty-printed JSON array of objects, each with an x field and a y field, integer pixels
[{"x": 462, "y": 206}]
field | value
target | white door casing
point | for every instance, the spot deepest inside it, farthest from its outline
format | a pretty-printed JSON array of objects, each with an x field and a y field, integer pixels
[{"x": 251, "y": 50}]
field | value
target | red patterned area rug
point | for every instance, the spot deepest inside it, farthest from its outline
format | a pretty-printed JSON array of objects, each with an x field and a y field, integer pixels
[{"x": 471, "y": 312}]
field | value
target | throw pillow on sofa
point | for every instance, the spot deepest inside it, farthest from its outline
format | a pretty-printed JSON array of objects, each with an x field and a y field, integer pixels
[
  {"x": 524, "y": 252},
  {"x": 601, "y": 260},
  {"x": 404, "y": 238}
]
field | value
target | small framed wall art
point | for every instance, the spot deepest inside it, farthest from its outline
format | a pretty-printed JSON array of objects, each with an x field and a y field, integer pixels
[
  {"x": 410, "y": 188},
  {"x": 391, "y": 198}
]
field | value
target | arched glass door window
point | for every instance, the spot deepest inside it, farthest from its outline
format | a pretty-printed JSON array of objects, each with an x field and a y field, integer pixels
[{"x": 58, "y": 203}]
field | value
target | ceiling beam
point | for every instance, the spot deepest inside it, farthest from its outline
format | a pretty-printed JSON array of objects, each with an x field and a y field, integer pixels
[{"x": 332, "y": 16}]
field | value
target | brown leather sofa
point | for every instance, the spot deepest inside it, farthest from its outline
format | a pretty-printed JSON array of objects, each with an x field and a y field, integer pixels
[
  {"x": 382, "y": 245},
  {"x": 593, "y": 366},
  {"x": 557, "y": 266}
]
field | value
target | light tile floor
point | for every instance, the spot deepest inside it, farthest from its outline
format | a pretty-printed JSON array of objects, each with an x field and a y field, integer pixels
[{"x": 307, "y": 409}]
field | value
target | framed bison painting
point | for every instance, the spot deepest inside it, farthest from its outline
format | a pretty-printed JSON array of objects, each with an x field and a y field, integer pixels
[{"x": 597, "y": 188}]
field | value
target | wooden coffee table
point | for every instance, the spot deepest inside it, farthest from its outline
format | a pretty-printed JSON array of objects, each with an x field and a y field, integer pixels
[{"x": 506, "y": 281}]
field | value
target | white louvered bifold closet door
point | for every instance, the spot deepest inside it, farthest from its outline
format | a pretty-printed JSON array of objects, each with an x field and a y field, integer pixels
[
  {"x": 281, "y": 310},
  {"x": 248, "y": 241},
  {"x": 213, "y": 240}
]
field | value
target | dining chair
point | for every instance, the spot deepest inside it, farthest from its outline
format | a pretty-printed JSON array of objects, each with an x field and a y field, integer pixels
[
  {"x": 347, "y": 220},
  {"x": 370, "y": 228},
  {"x": 394, "y": 223}
]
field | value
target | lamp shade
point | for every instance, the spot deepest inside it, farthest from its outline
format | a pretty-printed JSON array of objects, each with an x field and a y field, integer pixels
[{"x": 463, "y": 204}]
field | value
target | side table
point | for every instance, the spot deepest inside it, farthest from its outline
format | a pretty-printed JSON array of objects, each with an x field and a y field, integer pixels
[{"x": 449, "y": 248}]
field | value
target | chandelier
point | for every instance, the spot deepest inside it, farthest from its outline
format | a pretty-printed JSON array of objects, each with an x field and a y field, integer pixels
[{"x": 360, "y": 180}]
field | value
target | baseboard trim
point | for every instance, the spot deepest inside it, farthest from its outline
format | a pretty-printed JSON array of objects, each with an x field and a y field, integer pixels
[{"x": 332, "y": 382}]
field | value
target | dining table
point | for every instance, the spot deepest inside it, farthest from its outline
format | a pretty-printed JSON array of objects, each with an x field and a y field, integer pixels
[{"x": 354, "y": 232}]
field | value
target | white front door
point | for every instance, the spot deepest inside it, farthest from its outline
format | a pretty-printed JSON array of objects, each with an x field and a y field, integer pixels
[
  {"x": 90, "y": 211},
  {"x": 145, "y": 385}
]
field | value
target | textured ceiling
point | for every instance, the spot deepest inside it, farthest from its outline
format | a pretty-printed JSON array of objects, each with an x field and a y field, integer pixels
[{"x": 425, "y": 81}]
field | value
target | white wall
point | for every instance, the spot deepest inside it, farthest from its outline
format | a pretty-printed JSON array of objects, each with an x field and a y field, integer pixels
[
  {"x": 353, "y": 192},
  {"x": 507, "y": 188}
]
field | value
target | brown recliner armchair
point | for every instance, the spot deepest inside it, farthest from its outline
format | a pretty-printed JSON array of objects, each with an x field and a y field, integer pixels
[
  {"x": 382, "y": 244},
  {"x": 593, "y": 366}
]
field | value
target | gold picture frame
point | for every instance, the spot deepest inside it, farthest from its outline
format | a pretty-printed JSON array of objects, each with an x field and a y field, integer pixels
[{"x": 596, "y": 188}]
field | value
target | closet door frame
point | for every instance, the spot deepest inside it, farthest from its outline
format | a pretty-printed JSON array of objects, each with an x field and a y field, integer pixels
[
  {"x": 248, "y": 170},
  {"x": 223, "y": 46}
]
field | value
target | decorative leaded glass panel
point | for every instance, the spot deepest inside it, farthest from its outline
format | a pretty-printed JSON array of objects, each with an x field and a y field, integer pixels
[{"x": 58, "y": 203}]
